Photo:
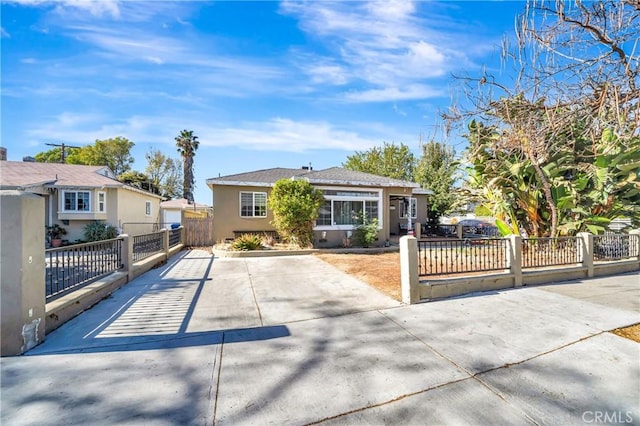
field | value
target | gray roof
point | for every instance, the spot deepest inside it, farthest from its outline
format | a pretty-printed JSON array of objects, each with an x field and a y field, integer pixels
[
  {"x": 20, "y": 175},
  {"x": 331, "y": 176}
]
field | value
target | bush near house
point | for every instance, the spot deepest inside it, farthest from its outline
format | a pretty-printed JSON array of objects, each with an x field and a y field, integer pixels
[
  {"x": 98, "y": 231},
  {"x": 295, "y": 205},
  {"x": 364, "y": 235},
  {"x": 247, "y": 242}
]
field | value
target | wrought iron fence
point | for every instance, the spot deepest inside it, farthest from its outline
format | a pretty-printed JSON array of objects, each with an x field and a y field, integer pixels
[
  {"x": 615, "y": 246},
  {"x": 439, "y": 230},
  {"x": 459, "y": 256},
  {"x": 541, "y": 252},
  {"x": 175, "y": 236},
  {"x": 147, "y": 245},
  {"x": 68, "y": 268}
]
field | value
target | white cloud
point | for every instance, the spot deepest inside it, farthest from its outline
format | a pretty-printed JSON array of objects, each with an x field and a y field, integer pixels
[
  {"x": 276, "y": 134},
  {"x": 389, "y": 50},
  {"x": 411, "y": 92},
  {"x": 4, "y": 33},
  {"x": 399, "y": 111},
  {"x": 94, "y": 7}
]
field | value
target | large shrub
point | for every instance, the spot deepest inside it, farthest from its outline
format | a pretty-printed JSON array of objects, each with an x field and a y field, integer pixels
[
  {"x": 98, "y": 231},
  {"x": 295, "y": 205},
  {"x": 365, "y": 234}
]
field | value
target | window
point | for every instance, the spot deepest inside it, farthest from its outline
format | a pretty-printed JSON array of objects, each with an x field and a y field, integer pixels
[
  {"x": 341, "y": 209},
  {"x": 102, "y": 202},
  {"x": 147, "y": 207},
  {"x": 404, "y": 208},
  {"x": 253, "y": 204},
  {"x": 77, "y": 201}
]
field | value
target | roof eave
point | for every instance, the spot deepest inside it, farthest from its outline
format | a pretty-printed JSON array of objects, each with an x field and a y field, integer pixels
[
  {"x": 212, "y": 182},
  {"x": 364, "y": 183}
]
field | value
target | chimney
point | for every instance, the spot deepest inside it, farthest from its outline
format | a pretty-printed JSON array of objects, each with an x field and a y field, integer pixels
[{"x": 3, "y": 153}]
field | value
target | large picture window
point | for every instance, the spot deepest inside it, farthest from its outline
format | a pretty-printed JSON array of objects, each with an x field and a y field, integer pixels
[
  {"x": 253, "y": 204},
  {"x": 77, "y": 201},
  {"x": 341, "y": 209}
]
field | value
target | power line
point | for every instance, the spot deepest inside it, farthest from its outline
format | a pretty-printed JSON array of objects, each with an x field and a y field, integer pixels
[{"x": 63, "y": 154}]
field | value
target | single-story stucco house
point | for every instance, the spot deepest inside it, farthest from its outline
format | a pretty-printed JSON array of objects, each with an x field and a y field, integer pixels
[
  {"x": 240, "y": 203},
  {"x": 76, "y": 195}
]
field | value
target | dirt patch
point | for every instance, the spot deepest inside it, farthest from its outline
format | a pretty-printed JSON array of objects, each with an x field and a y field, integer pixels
[
  {"x": 381, "y": 270},
  {"x": 632, "y": 332}
]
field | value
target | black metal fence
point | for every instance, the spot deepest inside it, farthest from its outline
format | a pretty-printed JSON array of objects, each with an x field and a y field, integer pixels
[
  {"x": 615, "y": 246},
  {"x": 541, "y": 252},
  {"x": 459, "y": 256},
  {"x": 175, "y": 236},
  {"x": 68, "y": 268},
  {"x": 147, "y": 245}
]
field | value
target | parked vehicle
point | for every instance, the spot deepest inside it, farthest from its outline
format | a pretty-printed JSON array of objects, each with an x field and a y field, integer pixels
[{"x": 476, "y": 228}]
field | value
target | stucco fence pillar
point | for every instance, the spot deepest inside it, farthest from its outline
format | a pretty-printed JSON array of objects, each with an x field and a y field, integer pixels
[
  {"x": 22, "y": 284},
  {"x": 409, "y": 273}
]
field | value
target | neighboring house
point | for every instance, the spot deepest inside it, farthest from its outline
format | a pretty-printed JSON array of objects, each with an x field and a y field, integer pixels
[
  {"x": 173, "y": 211},
  {"x": 240, "y": 202},
  {"x": 76, "y": 195}
]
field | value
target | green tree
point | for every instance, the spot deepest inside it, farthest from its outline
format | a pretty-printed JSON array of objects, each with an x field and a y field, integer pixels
[
  {"x": 295, "y": 205},
  {"x": 187, "y": 144},
  {"x": 138, "y": 180},
  {"x": 54, "y": 155},
  {"x": 437, "y": 171},
  {"x": 390, "y": 160},
  {"x": 114, "y": 153},
  {"x": 164, "y": 173},
  {"x": 559, "y": 144}
]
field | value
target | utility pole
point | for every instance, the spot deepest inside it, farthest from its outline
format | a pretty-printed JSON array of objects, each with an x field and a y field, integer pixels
[{"x": 63, "y": 153}]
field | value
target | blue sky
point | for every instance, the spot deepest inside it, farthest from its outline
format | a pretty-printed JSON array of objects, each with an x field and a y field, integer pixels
[{"x": 263, "y": 84}]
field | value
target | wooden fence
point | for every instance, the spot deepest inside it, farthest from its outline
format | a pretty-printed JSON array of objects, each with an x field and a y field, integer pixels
[{"x": 198, "y": 232}]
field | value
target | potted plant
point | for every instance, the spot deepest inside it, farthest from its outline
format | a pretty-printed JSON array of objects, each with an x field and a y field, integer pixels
[{"x": 55, "y": 234}]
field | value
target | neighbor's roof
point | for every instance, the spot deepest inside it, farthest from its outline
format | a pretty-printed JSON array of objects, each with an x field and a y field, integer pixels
[
  {"x": 182, "y": 203},
  {"x": 331, "y": 176},
  {"x": 24, "y": 174}
]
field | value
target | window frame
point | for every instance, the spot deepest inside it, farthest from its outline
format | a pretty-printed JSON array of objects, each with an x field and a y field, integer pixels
[
  {"x": 253, "y": 206},
  {"x": 101, "y": 205},
  {"x": 348, "y": 194},
  {"x": 148, "y": 208},
  {"x": 413, "y": 202},
  {"x": 76, "y": 201}
]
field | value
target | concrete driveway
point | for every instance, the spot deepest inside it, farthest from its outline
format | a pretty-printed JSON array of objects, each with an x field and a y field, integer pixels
[{"x": 292, "y": 340}]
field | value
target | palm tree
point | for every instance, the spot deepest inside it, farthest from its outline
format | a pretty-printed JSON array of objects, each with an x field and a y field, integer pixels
[{"x": 187, "y": 144}]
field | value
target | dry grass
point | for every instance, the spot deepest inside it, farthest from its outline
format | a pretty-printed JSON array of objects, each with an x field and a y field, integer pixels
[
  {"x": 632, "y": 332},
  {"x": 381, "y": 270}
]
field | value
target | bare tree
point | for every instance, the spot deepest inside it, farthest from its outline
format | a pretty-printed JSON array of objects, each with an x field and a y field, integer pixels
[{"x": 576, "y": 82}]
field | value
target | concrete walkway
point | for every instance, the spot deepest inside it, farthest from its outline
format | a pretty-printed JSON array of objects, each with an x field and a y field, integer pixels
[{"x": 292, "y": 340}]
